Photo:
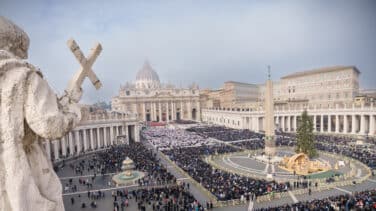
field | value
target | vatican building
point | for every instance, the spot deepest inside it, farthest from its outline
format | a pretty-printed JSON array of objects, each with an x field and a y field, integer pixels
[{"x": 154, "y": 101}]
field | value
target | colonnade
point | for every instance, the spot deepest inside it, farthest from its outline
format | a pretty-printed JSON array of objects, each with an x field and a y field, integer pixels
[
  {"x": 91, "y": 137},
  {"x": 353, "y": 120}
]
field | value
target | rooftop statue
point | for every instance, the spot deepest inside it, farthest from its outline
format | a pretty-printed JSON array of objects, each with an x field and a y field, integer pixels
[{"x": 30, "y": 113}]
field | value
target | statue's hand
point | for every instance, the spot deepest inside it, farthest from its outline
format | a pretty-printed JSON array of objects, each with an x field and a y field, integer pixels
[{"x": 72, "y": 96}]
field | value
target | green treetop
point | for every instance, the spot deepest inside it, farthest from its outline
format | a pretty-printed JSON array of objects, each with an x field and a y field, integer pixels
[{"x": 304, "y": 136}]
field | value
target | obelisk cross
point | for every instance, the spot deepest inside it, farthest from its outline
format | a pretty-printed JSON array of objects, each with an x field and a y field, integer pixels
[{"x": 86, "y": 64}]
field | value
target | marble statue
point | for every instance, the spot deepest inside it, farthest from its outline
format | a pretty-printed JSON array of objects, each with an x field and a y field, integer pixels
[{"x": 30, "y": 113}]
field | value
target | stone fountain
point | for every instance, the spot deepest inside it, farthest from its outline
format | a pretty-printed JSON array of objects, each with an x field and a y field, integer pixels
[{"x": 129, "y": 176}]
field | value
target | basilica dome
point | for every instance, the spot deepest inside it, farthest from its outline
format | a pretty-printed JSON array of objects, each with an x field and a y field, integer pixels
[{"x": 147, "y": 78}]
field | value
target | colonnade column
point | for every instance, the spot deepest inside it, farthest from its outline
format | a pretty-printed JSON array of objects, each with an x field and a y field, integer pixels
[
  {"x": 295, "y": 123},
  {"x": 78, "y": 140},
  {"x": 329, "y": 124},
  {"x": 112, "y": 135},
  {"x": 92, "y": 138},
  {"x": 56, "y": 149},
  {"x": 289, "y": 123},
  {"x": 371, "y": 125},
  {"x": 314, "y": 123},
  {"x": 283, "y": 123},
  {"x": 105, "y": 140},
  {"x": 99, "y": 145},
  {"x": 86, "y": 147},
  {"x": 71, "y": 145},
  {"x": 63, "y": 146},
  {"x": 322, "y": 123},
  {"x": 362, "y": 124},
  {"x": 337, "y": 124},
  {"x": 48, "y": 148}
]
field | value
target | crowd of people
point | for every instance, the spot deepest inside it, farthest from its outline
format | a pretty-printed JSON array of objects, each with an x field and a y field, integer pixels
[
  {"x": 224, "y": 185},
  {"x": 171, "y": 198},
  {"x": 365, "y": 200},
  {"x": 168, "y": 138},
  {"x": 161, "y": 191},
  {"x": 223, "y": 133}
]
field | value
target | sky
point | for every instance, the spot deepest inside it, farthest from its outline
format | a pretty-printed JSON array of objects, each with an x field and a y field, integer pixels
[{"x": 202, "y": 41}]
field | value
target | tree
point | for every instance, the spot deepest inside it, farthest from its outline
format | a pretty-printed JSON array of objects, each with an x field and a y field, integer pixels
[{"x": 304, "y": 137}]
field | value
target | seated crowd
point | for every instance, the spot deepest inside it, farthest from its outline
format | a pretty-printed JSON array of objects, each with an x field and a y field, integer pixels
[
  {"x": 223, "y": 133},
  {"x": 365, "y": 200},
  {"x": 224, "y": 185},
  {"x": 166, "y": 138}
]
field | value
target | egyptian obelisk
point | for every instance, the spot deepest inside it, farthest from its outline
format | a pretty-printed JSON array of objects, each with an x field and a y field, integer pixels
[{"x": 269, "y": 118}]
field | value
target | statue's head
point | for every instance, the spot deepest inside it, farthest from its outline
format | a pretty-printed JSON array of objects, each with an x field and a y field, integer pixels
[{"x": 13, "y": 39}]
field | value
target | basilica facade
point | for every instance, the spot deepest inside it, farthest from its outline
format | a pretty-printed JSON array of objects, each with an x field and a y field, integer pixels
[{"x": 154, "y": 101}]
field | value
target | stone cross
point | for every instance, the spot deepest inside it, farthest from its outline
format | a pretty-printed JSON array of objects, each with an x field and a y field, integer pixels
[{"x": 86, "y": 64}]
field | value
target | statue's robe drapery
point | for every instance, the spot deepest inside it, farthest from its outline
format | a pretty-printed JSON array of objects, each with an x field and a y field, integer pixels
[{"x": 29, "y": 112}]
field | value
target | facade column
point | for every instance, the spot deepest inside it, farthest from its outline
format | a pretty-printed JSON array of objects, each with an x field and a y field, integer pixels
[
  {"x": 295, "y": 123},
  {"x": 181, "y": 110},
  {"x": 78, "y": 140},
  {"x": 345, "y": 124},
  {"x": 189, "y": 110},
  {"x": 48, "y": 148},
  {"x": 198, "y": 111},
  {"x": 56, "y": 149},
  {"x": 154, "y": 111},
  {"x": 92, "y": 138},
  {"x": 86, "y": 147},
  {"x": 371, "y": 125},
  {"x": 337, "y": 124},
  {"x": 362, "y": 124},
  {"x": 143, "y": 111},
  {"x": 167, "y": 112},
  {"x": 289, "y": 123},
  {"x": 257, "y": 128},
  {"x": 126, "y": 134},
  {"x": 172, "y": 111},
  {"x": 329, "y": 123},
  {"x": 283, "y": 124},
  {"x": 63, "y": 146},
  {"x": 277, "y": 121},
  {"x": 160, "y": 112},
  {"x": 136, "y": 133},
  {"x": 353, "y": 124},
  {"x": 105, "y": 140},
  {"x": 71, "y": 144}
]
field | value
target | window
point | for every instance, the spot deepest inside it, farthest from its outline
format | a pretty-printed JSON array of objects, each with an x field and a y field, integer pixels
[{"x": 128, "y": 93}]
